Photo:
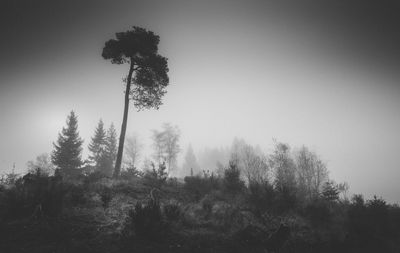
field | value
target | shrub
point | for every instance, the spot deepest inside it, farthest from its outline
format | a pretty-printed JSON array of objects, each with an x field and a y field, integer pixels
[
  {"x": 155, "y": 178},
  {"x": 197, "y": 187},
  {"x": 207, "y": 205},
  {"x": 172, "y": 211},
  {"x": 106, "y": 195},
  {"x": 76, "y": 194},
  {"x": 131, "y": 173},
  {"x": 121, "y": 187},
  {"x": 93, "y": 177},
  {"x": 250, "y": 239},
  {"x": 318, "y": 212},
  {"x": 261, "y": 196},
  {"x": 9, "y": 179},
  {"x": 34, "y": 195},
  {"x": 369, "y": 224},
  {"x": 146, "y": 220}
]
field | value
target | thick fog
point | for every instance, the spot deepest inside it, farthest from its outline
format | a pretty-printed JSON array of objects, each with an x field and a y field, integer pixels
[{"x": 323, "y": 76}]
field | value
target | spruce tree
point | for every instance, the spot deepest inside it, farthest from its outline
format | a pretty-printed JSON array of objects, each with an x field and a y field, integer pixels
[
  {"x": 330, "y": 191},
  {"x": 67, "y": 152},
  {"x": 108, "y": 154},
  {"x": 111, "y": 143},
  {"x": 190, "y": 161},
  {"x": 97, "y": 145}
]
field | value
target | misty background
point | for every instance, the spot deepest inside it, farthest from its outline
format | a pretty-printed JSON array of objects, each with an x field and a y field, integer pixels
[{"x": 324, "y": 75}]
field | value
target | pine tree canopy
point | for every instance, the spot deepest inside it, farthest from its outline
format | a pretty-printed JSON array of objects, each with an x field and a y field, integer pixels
[{"x": 147, "y": 78}]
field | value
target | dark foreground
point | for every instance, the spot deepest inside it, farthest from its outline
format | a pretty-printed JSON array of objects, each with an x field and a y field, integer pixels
[{"x": 146, "y": 213}]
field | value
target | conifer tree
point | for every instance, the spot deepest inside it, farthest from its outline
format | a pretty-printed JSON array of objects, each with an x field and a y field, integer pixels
[
  {"x": 108, "y": 154},
  {"x": 97, "y": 145},
  {"x": 111, "y": 143},
  {"x": 67, "y": 151},
  {"x": 147, "y": 77},
  {"x": 330, "y": 191},
  {"x": 190, "y": 161}
]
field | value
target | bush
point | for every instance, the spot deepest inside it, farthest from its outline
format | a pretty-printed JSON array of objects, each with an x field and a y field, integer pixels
[
  {"x": 76, "y": 194},
  {"x": 197, "y": 187},
  {"x": 131, "y": 173},
  {"x": 34, "y": 195},
  {"x": 146, "y": 221},
  {"x": 369, "y": 224},
  {"x": 155, "y": 178},
  {"x": 106, "y": 195},
  {"x": 172, "y": 211},
  {"x": 207, "y": 204},
  {"x": 93, "y": 177},
  {"x": 261, "y": 196},
  {"x": 9, "y": 179},
  {"x": 130, "y": 188},
  {"x": 318, "y": 212}
]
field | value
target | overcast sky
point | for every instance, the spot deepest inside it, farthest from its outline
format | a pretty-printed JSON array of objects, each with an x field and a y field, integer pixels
[{"x": 320, "y": 73}]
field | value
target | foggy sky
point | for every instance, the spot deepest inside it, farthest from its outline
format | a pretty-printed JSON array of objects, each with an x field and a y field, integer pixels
[{"x": 320, "y": 73}]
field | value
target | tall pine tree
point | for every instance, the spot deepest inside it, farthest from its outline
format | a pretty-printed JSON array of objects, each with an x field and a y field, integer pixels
[
  {"x": 97, "y": 145},
  {"x": 67, "y": 151}
]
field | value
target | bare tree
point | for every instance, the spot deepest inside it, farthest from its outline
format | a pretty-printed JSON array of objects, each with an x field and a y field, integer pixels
[
  {"x": 311, "y": 171},
  {"x": 251, "y": 162},
  {"x": 166, "y": 145},
  {"x": 284, "y": 167},
  {"x": 171, "y": 142},
  {"x": 158, "y": 146},
  {"x": 133, "y": 149},
  {"x": 255, "y": 165},
  {"x": 343, "y": 189},
  {"x": 42, "y": 164}
]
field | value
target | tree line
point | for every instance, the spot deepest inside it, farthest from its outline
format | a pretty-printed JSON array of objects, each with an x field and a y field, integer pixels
[{"x": 66, "y": 158}]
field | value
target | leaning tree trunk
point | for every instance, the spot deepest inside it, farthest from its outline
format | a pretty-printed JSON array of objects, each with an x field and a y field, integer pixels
[{"x": 117, "y": 168}]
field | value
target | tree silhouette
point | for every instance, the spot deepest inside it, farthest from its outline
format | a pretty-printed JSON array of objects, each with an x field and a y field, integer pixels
[
  {"x": 67, "y": 152},
  {"x": 110, "y": 151},
  {"x": 166, "y": 145},
  {"x": 97, "y": 144},
  {"x": 147, "y": 72},
  {"x": 133, "y": 149},
  {"x": 190, "y": 163}
]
